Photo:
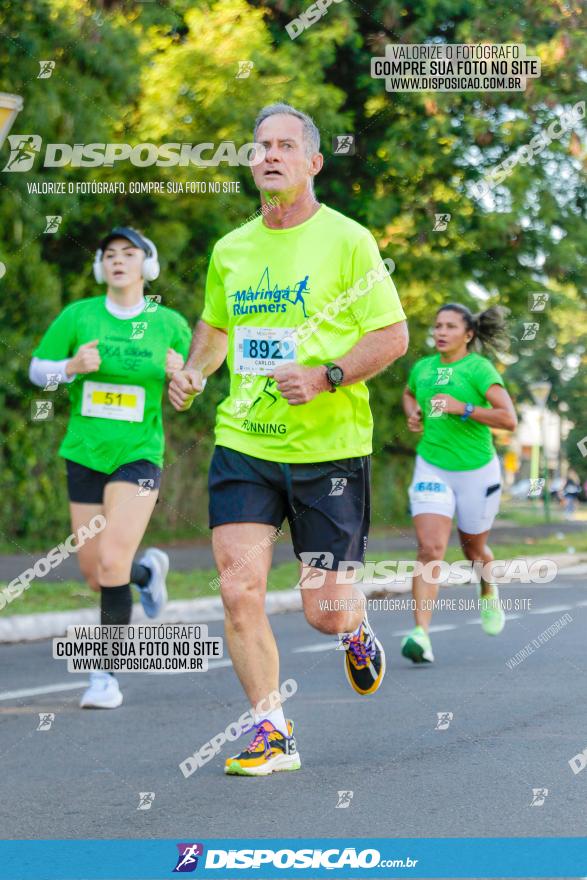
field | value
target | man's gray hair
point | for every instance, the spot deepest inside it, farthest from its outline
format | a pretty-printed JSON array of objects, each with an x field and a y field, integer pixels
[{"x": 311, "y": 133}]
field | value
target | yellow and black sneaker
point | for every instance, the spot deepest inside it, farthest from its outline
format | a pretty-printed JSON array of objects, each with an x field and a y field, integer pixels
[
  {"x": 364, "y": 662},
  {"x": 268, "y": 751}
]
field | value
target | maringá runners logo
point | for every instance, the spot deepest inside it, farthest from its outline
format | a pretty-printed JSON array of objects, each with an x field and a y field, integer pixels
[{"x": 267, "y": 298}]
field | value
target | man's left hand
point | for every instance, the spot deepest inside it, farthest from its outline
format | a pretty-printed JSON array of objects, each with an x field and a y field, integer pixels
[{"x": 300, "y": 384}]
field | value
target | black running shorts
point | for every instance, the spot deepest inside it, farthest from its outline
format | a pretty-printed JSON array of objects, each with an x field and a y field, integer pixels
[
  {"x": 327, "y": 504},
  {"x": 86, "y": 486}
]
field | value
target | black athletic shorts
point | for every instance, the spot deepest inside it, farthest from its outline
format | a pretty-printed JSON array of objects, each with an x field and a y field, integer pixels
[
  {"x": 327, "y": 504},
  {"x": 86, "y": 486}
]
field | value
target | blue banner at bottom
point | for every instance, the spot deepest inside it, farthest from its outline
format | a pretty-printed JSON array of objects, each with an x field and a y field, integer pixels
[{"x": 225, "y": 859}]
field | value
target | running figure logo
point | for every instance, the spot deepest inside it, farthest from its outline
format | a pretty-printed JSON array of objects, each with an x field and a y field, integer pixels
[
  {"x": 437, "y": 408},
  {"x": 187, "y": 860},
  {"x": 146, "y": 799},
  {"x": 241, "y": 407},
  {"x": 300, "y": 288},
  {"x": 344, "y": 799},
  {"x": 530, "y": 331},
  {"x": 338, "y": 485},
  {"x": 138, "y": 329},
  {"x": 312, "y": 579},
  {"x": 41, "y": 410},
  {"x": 443, "y": 376},
  {"x": 152, "y": 302},
  {"x": 441, "y": 222},
  {"x": 47, "y": 68},
  {"x": 52, "y": 223},
  {"x": 46, "y": 719},
  {"x": 23, "y": 150},
  {"x": 241, "y": 412},
  {"x": 343, "y": 145},
  {"x": 444, "y": 719},
  {"x": 53, "y": 380},
  {"x": 537, "y": 302},
  {"x": 536, "y": 487},
  {"x": 244, "y": 69},
  {"x": 539, "y": 795}
]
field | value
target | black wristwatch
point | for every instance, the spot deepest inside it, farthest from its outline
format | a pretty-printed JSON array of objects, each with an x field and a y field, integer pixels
[{"x": 335, "y": 375}]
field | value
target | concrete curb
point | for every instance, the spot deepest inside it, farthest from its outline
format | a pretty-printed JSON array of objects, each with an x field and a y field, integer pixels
[{"x": 32, "y": 627}]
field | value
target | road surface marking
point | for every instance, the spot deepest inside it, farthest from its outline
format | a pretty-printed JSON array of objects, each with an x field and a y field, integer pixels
[
  {"x": 551, "y": 609},
  {"x": 441, "y": 627},
  {"x": 47, "y": 689},
  {"x": 314, "y": 649}
]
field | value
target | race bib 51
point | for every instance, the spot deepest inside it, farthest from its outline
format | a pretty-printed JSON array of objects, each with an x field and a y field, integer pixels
[{"x": 105, "y": 401}]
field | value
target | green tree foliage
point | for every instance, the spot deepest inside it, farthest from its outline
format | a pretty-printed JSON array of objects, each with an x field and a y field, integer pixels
[{"x": 167, "y": 72}]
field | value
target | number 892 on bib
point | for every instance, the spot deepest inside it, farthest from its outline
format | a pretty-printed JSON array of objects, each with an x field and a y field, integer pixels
[{"x": 258, "y": 350}]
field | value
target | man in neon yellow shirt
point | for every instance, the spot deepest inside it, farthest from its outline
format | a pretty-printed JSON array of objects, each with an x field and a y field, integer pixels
[{"x": 300, "y": 304}]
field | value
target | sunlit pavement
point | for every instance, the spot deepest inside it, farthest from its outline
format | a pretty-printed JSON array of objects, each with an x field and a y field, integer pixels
[{"x": 465, "y": 747}]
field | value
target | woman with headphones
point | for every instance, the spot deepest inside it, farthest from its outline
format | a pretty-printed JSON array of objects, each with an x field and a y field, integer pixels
[{"x": 114, "y": 352}]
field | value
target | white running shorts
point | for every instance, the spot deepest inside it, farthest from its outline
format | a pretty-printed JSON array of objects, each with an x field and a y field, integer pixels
[{"x": 474, "y": 495}]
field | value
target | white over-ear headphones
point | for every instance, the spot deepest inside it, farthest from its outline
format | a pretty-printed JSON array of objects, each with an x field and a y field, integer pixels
[{"x": 151, "y": 268}]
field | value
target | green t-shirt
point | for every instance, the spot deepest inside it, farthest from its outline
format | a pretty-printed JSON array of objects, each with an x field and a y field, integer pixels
[
  {"x": 116, "y": 411},
  {"x": 263, "y": 282},
  {"x": 448, "y": 441}
]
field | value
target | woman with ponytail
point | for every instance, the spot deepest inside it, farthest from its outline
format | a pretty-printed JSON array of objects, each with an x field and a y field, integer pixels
[{"x": 455, "y": 397}]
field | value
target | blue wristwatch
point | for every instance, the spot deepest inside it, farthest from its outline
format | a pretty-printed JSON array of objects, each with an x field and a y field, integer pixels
[{"x": 469, "y": 407}]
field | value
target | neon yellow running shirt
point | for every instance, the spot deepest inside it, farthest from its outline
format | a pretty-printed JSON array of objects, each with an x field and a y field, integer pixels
[
  {"x": 448, "y": 441},
  {"x": 297, "y": 294},
  {"x": 116, "y": 411}
]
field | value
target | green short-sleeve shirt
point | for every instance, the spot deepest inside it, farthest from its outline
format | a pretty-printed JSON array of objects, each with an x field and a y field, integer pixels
[
  {"x": 122, "y": 400},
  {"x": 448, "y": 441},
  {"x": 263, "y": 281}
]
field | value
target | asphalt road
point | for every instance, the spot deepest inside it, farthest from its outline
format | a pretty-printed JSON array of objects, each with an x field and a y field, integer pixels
[
  {"x": 187, "y": 557},
  {"x": 512, "y": 731}
]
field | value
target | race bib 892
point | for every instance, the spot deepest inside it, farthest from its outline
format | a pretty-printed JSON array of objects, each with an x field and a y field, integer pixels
[{"x": 258, "y": 350}]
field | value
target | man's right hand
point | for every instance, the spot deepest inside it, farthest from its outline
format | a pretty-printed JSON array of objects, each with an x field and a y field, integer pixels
[
  {"x": 415, "y": 420},
  {"x": 185, "y": 385},
  {"x": 85, "y": 360}
]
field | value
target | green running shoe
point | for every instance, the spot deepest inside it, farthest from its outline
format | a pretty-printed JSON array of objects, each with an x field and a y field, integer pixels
[
  {"x": 416, "y": 646},
  {"x": 492, "y": 614}
]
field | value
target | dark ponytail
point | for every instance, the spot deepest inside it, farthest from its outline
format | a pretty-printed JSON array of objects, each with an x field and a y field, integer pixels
[
  {"x": 492, "y": 330},
  {"x": 489, "y": 327}
]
